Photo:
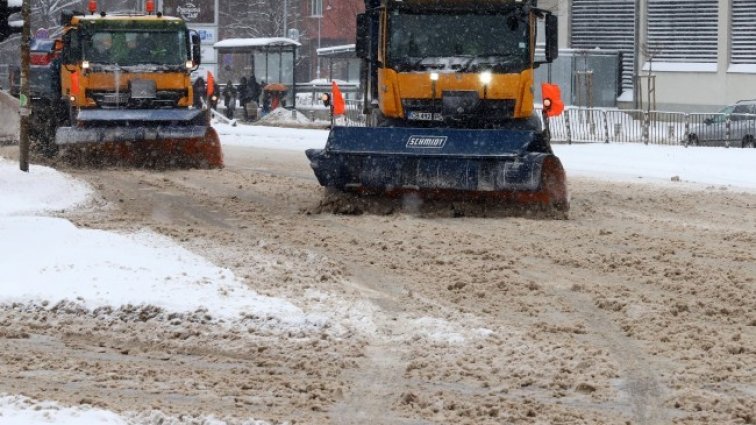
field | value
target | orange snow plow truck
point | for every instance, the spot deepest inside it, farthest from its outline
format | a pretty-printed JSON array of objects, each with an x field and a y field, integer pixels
[
  {"x": 448, "y": 95},
  {"x": 122, "y": 93}
]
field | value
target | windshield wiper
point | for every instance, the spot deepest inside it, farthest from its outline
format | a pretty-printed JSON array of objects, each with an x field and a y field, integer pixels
[
  {"x": 420, "y": 61},
  {"x": 508, "y": 60}
]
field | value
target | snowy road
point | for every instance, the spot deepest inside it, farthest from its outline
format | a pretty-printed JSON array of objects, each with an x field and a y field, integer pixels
[{"x": 638, "y": 309}]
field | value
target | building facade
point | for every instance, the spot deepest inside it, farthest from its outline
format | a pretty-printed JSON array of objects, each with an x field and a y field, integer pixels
[
  {"x": 326, "y": 23},
  {"x": 701, "y": 53}
]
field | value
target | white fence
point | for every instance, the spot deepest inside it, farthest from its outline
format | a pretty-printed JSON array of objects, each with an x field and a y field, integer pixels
[{"x": 584, "y": 125}]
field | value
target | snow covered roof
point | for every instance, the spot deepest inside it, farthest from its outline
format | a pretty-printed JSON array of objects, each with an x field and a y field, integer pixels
[
  {"x": 325, "y": 82},
  {"x": 337, "y": 50},
  {"x": 235, "y": 43}
]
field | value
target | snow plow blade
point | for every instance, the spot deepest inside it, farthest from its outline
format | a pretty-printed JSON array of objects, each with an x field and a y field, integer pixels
[
  {"x": 152, "y": 138},
  {"x": 512, "y": 166}
]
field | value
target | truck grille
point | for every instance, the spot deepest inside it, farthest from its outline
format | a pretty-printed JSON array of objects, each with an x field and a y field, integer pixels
[
  {"x": 491, "y": 109},
  {"x": 163, "y": 99}
]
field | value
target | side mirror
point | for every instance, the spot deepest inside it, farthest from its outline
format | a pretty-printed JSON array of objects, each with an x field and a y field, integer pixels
[
  {"x": 361, "y": 45},
  {"x": 196, "y": 48},
  {"x": 67, "y": 55},
  {"x": 552, "y": 38}
]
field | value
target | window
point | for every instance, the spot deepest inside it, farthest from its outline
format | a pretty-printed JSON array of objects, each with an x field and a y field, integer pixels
[
  {"x": 743, "y": 38},
  {"x": 606, "y": 24},
  {"x": 128, "y": 48},
  {"x": 316, "y": 8},
  {"x": 683, "y": 30},
  {"x": 472, "y": 39}
]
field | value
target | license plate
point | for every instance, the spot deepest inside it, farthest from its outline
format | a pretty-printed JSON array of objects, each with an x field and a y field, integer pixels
[{"x": 424, "y": 116}]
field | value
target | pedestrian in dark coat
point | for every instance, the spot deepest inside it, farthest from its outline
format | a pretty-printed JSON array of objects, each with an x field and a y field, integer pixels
[
  {"x": 200, "y": 91},
  {"x": 229, "y": 98},
  {"x": 244, "y": 95},
  {"x": 254, "y": 89}
]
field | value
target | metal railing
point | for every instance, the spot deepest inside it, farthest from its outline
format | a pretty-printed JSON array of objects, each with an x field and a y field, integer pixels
[
  {"x": 316, "y": 111},
  {"x": 593, "y": 125}
]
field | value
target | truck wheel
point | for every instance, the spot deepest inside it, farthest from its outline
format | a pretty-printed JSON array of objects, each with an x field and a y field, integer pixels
[{"x": 748, "y": 142}]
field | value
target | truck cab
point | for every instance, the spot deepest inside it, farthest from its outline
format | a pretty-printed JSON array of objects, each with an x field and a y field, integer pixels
[
  {"x": 127, "y": 62},
  {"x": 446, "y": 62}
]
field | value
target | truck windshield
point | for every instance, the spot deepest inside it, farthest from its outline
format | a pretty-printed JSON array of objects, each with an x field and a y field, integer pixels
[
  {"x": 424, "y": 39},
  {"x": 136, "y": 47}
]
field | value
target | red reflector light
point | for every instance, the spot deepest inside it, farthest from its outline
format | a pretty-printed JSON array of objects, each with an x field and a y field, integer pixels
[{"x": 40, "y": 59}]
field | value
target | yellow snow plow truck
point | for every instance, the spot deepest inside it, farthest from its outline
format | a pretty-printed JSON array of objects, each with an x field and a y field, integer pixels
[
  {"x": 448, "y": 95},
  {"x": 121, "y": 92}
]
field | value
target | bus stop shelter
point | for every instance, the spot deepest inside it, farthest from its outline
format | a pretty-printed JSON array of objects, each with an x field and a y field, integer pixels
[
  {"x": 270, "y": 60},
  {"x": 342, "y": 61}
]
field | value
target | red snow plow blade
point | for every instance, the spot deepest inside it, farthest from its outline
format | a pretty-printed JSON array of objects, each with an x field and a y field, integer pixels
[{"x": 136, "y": 141}]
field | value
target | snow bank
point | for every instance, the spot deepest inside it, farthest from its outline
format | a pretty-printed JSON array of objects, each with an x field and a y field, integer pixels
[
  {"x": 50, "y": 259},
  {"x": 20, "y": 410},
  {"x": 40, "y": 190},
  {"x": 700, "y": 166},
  {"x": 285, "y": 118}
]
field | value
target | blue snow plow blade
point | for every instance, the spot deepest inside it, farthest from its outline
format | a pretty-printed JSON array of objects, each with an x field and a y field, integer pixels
[{"x": 431, "y": 160}]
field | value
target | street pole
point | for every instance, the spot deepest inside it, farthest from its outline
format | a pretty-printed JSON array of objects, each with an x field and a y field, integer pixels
[
  {"x": 285, "y": 16},
  {"x": 24, "y": 92},
  {"x": 636, "y": 53},
  {"x": 320, "y": 18}
]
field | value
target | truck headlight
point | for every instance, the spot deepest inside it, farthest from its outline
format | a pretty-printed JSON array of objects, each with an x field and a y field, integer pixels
[
  {"x": 189, "y": 64},
  {"x": 434, "y": 76},
  {"x": 486, "y": 77},
  {"x": 85, "y": 65}
]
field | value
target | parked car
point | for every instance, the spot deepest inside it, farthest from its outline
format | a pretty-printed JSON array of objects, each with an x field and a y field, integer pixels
[{"x": 713, "y": 130}]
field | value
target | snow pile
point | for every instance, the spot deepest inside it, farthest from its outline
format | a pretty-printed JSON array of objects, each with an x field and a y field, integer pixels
[
  {"x": 19, "y": 410},
  {"x": 661, "y": 164},
  {"x": 40, "y": 190},
  {"x": 9, "y": 119},
  {"x": 49, "y": 260},
  {"x": 282, "y": 117}
]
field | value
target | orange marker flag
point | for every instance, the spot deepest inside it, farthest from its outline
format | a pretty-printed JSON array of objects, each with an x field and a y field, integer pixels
[
  {"x": 552, "y": 93},
  {"x": 75, "y": 84},
  {"x": 337, "y": 99},
  {"x": 210, "y": 84}
]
